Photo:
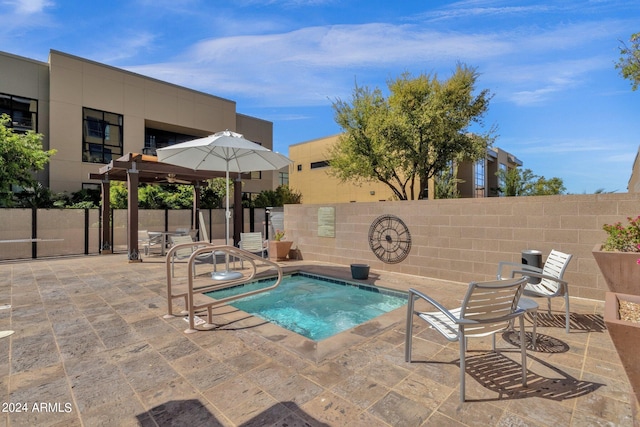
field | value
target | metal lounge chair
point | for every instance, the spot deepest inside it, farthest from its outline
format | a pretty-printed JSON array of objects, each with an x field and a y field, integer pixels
[
  {"x": 551, "y": 284},
  {"x": 487, "y": 308}
]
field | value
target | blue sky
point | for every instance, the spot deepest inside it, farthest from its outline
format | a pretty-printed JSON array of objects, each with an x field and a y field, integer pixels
[{"x": 559, "y": 104}]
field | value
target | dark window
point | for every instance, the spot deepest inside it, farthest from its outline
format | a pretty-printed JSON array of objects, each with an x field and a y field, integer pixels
[
  {"x": 23, "y": 112},
  {"x": 156, "y": 138},
  {"x": 283, "y": 178},
  {"x": 299, "y": 168},
  {"x": 322, "y": 164},
  {"x": 102, "y": 136}
]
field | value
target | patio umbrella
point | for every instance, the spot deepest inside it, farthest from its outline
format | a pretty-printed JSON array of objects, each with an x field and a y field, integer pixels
[{"x": 223, "y": 151}]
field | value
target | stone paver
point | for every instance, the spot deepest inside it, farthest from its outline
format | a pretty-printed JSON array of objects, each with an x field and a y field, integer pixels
[{"x": 91, "y": 347}]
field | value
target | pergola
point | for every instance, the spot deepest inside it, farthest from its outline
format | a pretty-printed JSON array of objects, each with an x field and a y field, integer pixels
[{"x": 140, "y": 168}]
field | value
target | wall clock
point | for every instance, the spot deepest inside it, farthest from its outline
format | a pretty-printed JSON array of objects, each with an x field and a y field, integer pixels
[{"x": 389, "y": 239}]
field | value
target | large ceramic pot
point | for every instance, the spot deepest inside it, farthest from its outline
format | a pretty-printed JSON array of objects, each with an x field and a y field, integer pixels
[
  {"x": 279, "y": 250},
  {"x": 620, "y": 270},
  {"x": 625, "y": 336}
]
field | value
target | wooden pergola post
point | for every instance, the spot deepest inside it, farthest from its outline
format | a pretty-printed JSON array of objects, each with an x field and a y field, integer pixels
[
  {"x": 237, "y": 210},
  {"x": 132, "y": 214},
  {"x": 195, "y": 224},
  {"x": 107, "y": 241}
]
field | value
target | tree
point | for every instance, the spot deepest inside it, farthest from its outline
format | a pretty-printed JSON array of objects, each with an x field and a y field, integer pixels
[
  {"x": 629, "y": 62},
  {"x": 283, "y": 195},
  {"x": 406, "y": 139},
  {"x": 519, "y": 182},
  {"x": 446, "y": 183},
  {"x": 20, "y": 156}
]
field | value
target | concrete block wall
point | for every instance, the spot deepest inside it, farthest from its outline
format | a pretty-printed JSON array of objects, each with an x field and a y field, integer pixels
[{"x": 464, "y": 239}]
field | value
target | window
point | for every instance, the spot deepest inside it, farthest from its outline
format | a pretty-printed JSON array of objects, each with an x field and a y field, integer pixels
[
  {"x": 256, "y": 175},
  {"x": 102, "y": 136},
  {"x": 23, "y": 112},
  {"x": 321, "y": 164},
  {"x": 299, "y": 168},
  {"x": 283, "y": 178},
  {"x": 480, "y": 178},
  {"x": 156, "y": 138},
  {"x": 502, "y": 183}
]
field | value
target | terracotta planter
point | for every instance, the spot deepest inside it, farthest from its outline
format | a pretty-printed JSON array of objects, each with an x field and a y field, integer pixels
[
  {"x": 620, "y": 270},
  {"x": 625, "y": 336},
  {"x": 278, "y": 251}
]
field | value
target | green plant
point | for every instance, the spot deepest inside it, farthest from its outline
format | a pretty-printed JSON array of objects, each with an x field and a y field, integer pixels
[
  {"x": 621, "y": 238},
  {"x": 278, "y": 236}
]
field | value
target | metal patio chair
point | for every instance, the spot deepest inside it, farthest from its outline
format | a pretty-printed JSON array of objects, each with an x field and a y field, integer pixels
[
  {"x": 487, "y": 308},
  {"x": 551, "y": 284}
]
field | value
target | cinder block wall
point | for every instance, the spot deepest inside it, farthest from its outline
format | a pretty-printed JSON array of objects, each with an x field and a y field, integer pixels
[{"x": 464, "y": 239}]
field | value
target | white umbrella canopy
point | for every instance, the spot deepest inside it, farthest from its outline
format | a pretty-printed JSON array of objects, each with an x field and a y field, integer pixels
[{"x": 223, "y": 151}]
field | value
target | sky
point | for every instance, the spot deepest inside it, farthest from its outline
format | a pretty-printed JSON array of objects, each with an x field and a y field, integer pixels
[{"x": 559, "y": 104}]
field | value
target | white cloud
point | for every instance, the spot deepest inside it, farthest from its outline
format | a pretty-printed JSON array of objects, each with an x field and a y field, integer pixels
[{"x": 28, "y": 7}]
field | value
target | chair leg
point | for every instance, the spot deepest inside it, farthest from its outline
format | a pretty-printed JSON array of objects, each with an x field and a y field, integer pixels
[
  {"x": 463, "y": 350},
  {"x": 523, "y": 352},
  {"x": 409, "y": 330},
  {"x": 566, "y": 313}
]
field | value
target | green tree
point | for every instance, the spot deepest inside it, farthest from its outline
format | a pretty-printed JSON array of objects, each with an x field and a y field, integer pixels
[
  {"x": 20, "y": 156},
  {"x": 523, "y": 182},
  {"x": 629, "y": 62},
  {"x": 213, "y": 195},
  {"x": 407, "y": 138},
  {"x": 118, "y": 195},
  {"x": 446, "y": 183},
  {"x": 283, "y": 195}
]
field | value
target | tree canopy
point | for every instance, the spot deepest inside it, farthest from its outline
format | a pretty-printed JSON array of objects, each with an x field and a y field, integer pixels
[
  {"x": 413, "y": 134},
  {"x": 518, "y": 182},
  {"x": 629, "y": 62},
  {"x": 21, "y": 154}
]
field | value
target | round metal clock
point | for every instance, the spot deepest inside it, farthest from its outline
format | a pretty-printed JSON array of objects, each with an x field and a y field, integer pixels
[{"x": 389, "y": 239}]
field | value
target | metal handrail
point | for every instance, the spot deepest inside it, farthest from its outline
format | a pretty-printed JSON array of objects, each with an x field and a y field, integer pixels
[{"x": 191, "y": 307}]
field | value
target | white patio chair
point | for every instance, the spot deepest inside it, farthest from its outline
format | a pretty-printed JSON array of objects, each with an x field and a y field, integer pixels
[
  {"x": 149, "y": 241},
  {"x": 252, "y": 242},
  {"x": 184, "y": 253},
  {"x": 487, "y": 308},
  {"x": 551, "y": 282}
]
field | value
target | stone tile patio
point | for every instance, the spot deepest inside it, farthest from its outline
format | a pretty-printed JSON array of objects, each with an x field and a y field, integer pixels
[{"x": 91, "y": 348}]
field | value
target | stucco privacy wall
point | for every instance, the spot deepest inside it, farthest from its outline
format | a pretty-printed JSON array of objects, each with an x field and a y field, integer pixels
[{"x": 464, "y": 239}]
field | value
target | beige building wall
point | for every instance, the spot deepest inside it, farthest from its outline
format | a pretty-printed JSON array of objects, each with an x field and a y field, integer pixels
[
  {"x": 317, "y": 186},
  {"x": 68, "y": 83},
  {"x": 464, "y": 239},
  {"x": 25, "y": 77}
]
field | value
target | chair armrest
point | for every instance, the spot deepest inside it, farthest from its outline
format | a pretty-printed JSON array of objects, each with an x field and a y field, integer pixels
[
  {"x": 538, "y": 275},
  {"x": 517, "y": 266},
  {"x": 413, "y": 294}
]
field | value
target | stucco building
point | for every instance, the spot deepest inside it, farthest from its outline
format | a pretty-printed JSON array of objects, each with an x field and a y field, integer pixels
[
  {"x": 92, "y": 113},
  {"x": 309, "y": 175}
]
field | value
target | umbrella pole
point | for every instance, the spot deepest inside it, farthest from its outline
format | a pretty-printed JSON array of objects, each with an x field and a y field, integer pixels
[{"x": 226, "y": 274}]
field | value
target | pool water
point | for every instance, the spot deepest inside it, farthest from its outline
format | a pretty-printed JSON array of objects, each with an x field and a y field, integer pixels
[{"x": 314, "y": 306}]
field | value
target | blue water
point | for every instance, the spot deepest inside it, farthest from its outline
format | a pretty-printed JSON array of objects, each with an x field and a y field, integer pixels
[{"x": 312, "y": 306}]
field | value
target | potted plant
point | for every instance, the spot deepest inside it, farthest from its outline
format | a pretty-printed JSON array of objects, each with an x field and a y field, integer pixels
[
  {"x": 617, "y": 258},
  {"x": 623, "y": 324},
  {"x": 278, "y": 247}
]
